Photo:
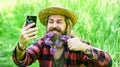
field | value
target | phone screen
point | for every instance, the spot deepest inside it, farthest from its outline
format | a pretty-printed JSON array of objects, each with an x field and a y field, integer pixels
[{"x": 31, "y": 19}]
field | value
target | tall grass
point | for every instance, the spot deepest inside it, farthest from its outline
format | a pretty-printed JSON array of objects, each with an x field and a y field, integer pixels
[{"x": 98, "y": 23}]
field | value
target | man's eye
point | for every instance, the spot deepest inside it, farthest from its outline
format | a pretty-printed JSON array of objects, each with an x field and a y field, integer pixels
[
  {"x": 59, "y": 22},
  {"x": 50, "y": 22}
]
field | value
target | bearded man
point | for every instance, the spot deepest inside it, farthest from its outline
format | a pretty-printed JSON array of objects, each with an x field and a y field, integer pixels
[{"x": 57, "y": 48}]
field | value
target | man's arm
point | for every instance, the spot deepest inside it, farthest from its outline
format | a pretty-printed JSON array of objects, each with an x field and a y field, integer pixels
[
  {"x": 97, "y": 58},
  {"x": 27, "y": 33},
  {"x": 93, "y": 57},
  {"x": 20, "y": 52},
  {"x": 30, "y": 56}
]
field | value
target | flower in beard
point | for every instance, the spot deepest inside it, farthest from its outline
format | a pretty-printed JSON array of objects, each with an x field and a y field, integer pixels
[
  {"x": 59, "y": 43},
  {"x": 65, "y": 37},
  {"x": 53, "y": 50},
  {"x": 49, "y": 35},
  {"x": 47, "y": 38},
  {"x": 48, "y": 41},
  {"x": 52, "y": 40}
]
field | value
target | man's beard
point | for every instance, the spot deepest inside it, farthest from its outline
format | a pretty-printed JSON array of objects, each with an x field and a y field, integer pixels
[{"x": 57, "y": 34}]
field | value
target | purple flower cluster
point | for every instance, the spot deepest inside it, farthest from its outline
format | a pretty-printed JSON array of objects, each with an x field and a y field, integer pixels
[
  {"x": 59, "y": 43},
  {"x": 65, "y": 37}
]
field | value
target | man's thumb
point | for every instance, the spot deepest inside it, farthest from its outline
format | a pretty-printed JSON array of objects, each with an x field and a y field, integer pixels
[{"x": 73, "y": 34}]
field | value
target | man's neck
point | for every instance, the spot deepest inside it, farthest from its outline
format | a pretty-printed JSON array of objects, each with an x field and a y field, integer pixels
[
  {"x": 59, "y": 48},
  {"x": 59, "y": 52}
]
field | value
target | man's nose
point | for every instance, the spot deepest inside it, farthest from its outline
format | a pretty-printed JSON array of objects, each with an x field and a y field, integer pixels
[{"x": 54, "y": 24}]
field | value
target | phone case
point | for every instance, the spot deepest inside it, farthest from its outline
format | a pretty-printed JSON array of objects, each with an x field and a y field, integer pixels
[{"x": 31, "y": 19}]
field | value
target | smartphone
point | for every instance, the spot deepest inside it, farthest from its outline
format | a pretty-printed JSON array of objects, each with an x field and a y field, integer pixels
[{"x": 31, "y": 19}]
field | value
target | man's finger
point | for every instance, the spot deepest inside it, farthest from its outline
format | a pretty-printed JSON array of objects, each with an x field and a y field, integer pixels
[
  {"x": 29, "y": 26},
  {"x": 32, "y": 34},
  {"x": 31, "y": 30},
  {"x": 69, "y": 46},
  {"x": 69, "y": 40},
  {"x": 30, "y": 38}
]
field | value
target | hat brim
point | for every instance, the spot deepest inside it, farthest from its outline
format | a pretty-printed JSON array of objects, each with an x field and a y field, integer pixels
[{"x": 43, "y": 14}]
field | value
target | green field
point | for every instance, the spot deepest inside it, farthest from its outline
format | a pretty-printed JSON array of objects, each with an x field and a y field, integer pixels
[{"x": 98, "y": 23}]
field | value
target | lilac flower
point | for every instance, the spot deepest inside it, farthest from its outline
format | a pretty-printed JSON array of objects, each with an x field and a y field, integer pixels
[
  {"x": 53, "y": 50},
  {"x": 49, "y": 35},
  {"x": 59, "y": 44},
  {"x": 65, "y": 37},
  {"x": 48, "y": 41}
]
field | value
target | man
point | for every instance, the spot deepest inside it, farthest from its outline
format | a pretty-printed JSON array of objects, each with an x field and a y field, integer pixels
[{"x": 71, "y": 53}]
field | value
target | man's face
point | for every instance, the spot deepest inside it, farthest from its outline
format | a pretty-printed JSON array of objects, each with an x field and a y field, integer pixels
[{"x": 56, "y": 24}]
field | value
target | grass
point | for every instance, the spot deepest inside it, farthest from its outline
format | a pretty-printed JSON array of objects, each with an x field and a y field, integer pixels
[{"x": 98, "y": 23}]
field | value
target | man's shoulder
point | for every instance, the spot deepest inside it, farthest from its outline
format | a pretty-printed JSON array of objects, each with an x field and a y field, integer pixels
[{"x": 40, "y": 40}]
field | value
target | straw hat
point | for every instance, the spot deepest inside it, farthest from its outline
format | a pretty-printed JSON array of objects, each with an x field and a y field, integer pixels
[{"x": 43, "y": 14}]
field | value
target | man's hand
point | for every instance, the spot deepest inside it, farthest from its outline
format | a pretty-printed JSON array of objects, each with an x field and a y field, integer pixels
[
  {"x": 77, "y": 45},
  {"x": 27, "y": 33}
]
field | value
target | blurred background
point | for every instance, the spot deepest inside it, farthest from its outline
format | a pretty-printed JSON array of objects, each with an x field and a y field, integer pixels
[{"x": 98, "y": 23}]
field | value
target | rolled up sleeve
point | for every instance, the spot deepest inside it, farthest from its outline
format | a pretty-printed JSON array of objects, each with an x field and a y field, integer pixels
[
  {"x": 98, "y": 58},
  {"x": 31, "y": 54}
]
